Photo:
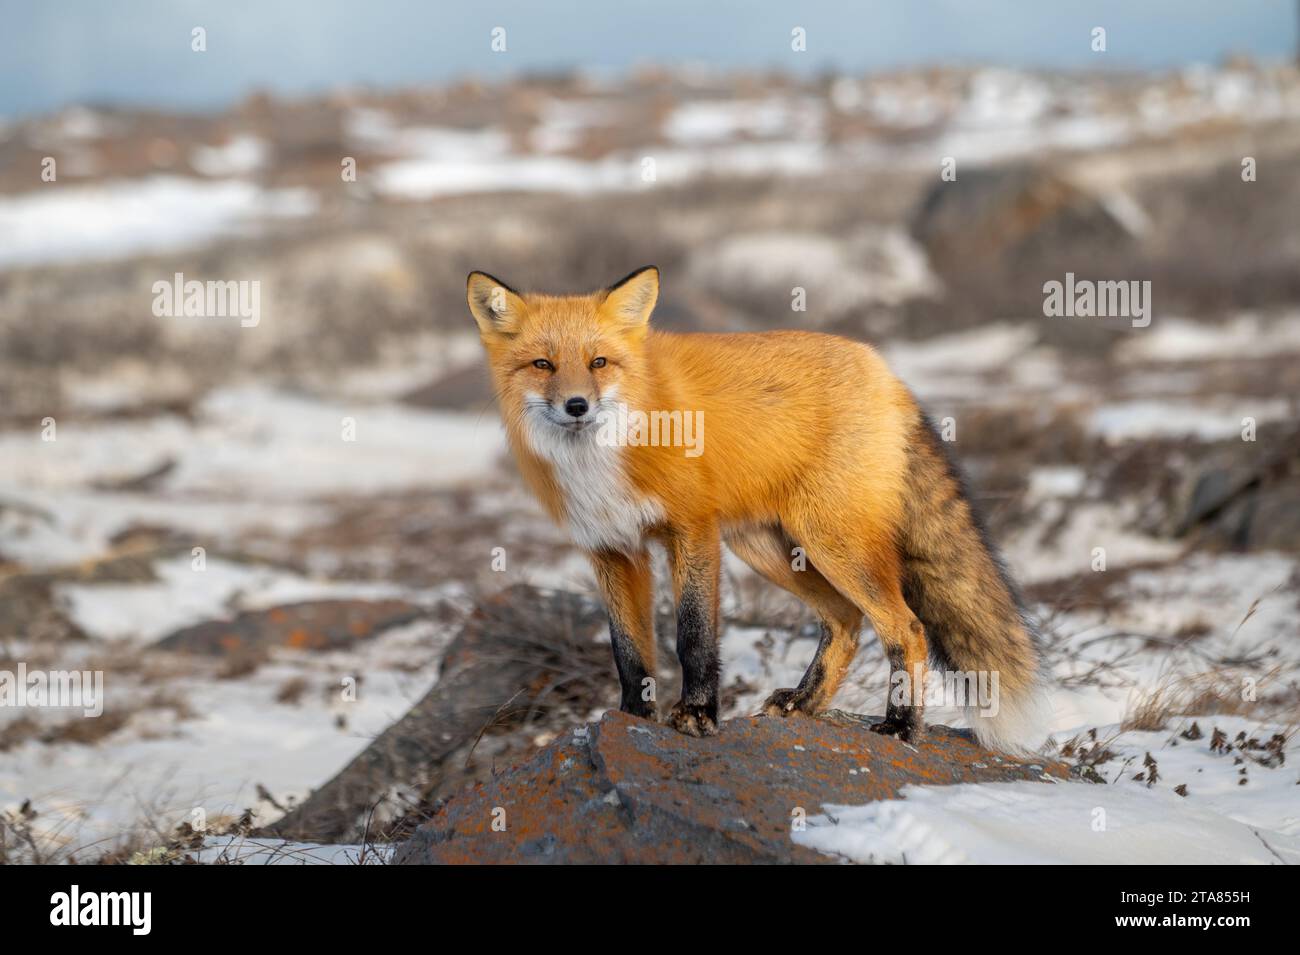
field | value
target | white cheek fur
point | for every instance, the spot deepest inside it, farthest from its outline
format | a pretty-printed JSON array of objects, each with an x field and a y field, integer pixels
[{"x": 602, "y": 509}]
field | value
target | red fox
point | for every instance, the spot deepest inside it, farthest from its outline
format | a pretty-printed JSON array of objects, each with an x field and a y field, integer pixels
[{"x": 811, "y": 443}]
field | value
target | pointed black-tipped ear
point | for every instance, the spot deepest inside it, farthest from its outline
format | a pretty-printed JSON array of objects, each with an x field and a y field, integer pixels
[
  {"x": 497, "y": 308},
  {"x": 630, "y": 300}
]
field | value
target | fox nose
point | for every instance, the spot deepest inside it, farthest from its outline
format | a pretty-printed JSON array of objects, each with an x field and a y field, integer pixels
[{"x": 576, "y": 407}]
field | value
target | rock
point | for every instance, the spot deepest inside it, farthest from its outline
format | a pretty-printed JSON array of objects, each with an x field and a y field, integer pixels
[
  {"x": 1001, "y": 213},
  {"x": 996, "y": 235},
  {"x": 1275, "y": 519},
  {"x": 626, "y": 790},
  {"x": 521, "y": 653},
  {"x": 311, "y": 625},
  {"x": 1247, "y": 499}
]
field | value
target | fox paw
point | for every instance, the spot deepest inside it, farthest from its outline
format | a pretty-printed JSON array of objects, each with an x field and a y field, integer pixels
[
  {"x": 903, "y": 730},
  {"x": 641, "y": 709},
  {"x": 786, "y": 702},
  {"x": 693, "y": 720}
]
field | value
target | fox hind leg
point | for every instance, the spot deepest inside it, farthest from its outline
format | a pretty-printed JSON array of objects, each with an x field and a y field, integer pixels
[
  {"x": 871, "y": 578},
  {"x": 769, "y": 551},
  {"x": 835, "y": 651},
  {"x": 903, "y": 638}
]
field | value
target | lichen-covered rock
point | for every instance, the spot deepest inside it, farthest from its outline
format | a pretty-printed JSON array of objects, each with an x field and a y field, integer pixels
[
  {"x": 625, "y": 790},
  {"x": 311, "y": 625}
]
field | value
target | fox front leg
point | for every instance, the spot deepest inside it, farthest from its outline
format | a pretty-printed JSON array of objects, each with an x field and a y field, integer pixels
[
  {"x": 627, "y": 584},
  {"x": 696, "y": 563}
]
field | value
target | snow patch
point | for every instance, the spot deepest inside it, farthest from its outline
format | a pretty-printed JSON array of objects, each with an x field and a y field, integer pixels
[
  {"x": 121, "y": 218},
  {"x": 240, "y": 156},
  {"x": 1028, "y": 823}
]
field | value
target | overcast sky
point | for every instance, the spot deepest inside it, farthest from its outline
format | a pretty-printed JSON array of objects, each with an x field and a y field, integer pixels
[{"x": 138, "y": 51}]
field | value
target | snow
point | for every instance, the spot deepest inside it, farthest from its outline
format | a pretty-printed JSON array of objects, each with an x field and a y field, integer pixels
[
  {"x": 255, "y": 457},
  {"x": 450, "y": 174},
  {"x": 961, "y": 364},
  {"x": 440, "y": 161},
  {"x": 1029, "y": 823},
  {"x": 242, "y": 850},
  {"x": 996, "y": 114},
  {"x": 1001, "y": 96},
  {"x": 1182, "y": 340},
  {"x": 1053, "y": 482},
  {"x": 183, "y": 595},
  {"x": 287, "y": 445},
  {"x": 47, "y": 528},
  {"x": 562, "y": 122},
  {"x": 1085, "y": 526},
  {"x": 750, "y": 654},
  {"x": 120, "y": 218},
  {"x": 437, "y": 161},
  {"x": 1238, "y": 605},
  {"x": 155, "y": 773},
  {"x": 1209, "y": 420},
  {"x": 1124, "y": 821},
  {"x": 255, "y": 437},
  {"x": 872, "y": 266},
  {"x": 455, "y": 165},
  {"x": 243, "y": 154},
  {"x": 702, "y": 122},
  {"x": 981, "y": 349},
  {"x": 1267, "y": 798}
]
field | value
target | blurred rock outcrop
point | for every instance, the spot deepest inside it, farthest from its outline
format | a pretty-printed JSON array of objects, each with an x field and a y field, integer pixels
[
  {"x": 312, "y": 625},
  {"x": 521, "y": 655}
]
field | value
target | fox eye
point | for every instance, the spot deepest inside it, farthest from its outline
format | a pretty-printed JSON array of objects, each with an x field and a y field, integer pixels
[
  {"x": 598, "y": 363},
  {"x": 543, "y": 363}
]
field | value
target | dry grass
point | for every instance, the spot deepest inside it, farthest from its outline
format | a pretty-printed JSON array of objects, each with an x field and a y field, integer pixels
[{"x": 1211, "y": 693}]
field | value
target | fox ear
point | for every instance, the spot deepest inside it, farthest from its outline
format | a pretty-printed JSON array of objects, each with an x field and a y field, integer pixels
[
  {"x": 630, "y": 300},
  {"x": 496, "y": 307}
]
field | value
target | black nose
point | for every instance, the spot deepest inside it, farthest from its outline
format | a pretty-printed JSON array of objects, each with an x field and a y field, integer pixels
[{"x": 576, "y": 407}]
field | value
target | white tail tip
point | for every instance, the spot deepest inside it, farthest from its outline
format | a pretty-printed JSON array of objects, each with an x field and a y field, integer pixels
[{"x": 1019, "y": 725}]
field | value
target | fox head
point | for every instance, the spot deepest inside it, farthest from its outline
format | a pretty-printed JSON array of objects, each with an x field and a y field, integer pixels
[{"x": 558, "y": 362}]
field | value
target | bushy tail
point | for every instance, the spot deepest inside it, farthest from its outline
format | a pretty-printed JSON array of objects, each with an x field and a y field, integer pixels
[{"x": 956, "y": 584}]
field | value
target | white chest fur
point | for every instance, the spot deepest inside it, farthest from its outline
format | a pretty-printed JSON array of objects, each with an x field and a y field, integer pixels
[{"x": 603, "y": 510}]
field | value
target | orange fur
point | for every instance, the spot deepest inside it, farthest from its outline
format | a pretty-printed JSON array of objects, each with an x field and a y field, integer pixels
[{"x": 786, "y": 415}]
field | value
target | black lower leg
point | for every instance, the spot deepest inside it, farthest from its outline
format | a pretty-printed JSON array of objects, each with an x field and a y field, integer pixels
[
  {"x": 802, "y": 698},
  {"x": 904, "y": 712},
  {"x": 697, "y": 651},
  {"x": 811, "y": 683},
  {"x": 638, "y": 688}
]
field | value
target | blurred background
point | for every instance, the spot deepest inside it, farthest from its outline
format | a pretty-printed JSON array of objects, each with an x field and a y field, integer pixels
[{"x": 231, "y": 518}]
